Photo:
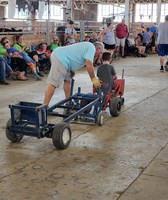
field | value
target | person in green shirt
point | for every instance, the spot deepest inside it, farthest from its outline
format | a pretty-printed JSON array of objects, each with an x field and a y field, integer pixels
[
  {"x": 26, "y": 48},
  {"x": 3, "y": 51},
  {"x": 55, "y": 43}
]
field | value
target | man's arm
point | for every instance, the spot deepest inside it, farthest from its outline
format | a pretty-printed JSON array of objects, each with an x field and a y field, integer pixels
[
  {"x": 89, "y": 67},
  {"x": 95, "y": 81}
]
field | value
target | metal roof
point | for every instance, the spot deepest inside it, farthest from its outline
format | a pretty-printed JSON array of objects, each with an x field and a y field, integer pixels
[{"x": 5, "y": 2}]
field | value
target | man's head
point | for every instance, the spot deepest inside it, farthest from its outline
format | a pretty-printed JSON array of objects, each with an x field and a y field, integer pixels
[
  {"x": 166, "y": 18},
  {"x": 99, "y": 48},
  {"x": 123, "y": 21}
]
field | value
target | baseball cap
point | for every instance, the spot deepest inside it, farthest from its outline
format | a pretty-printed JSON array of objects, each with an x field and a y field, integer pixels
[{"x": 56, "y": 38}]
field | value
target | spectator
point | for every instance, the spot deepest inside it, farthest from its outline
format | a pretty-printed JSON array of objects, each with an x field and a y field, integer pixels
[
  {"x": 108, "y": 39},
  {"x": 153, "y": 28},
  {"x": 14, "y": 62},
  {"x": 43, "y": 51},
  {"x": 87, "y": 38},
  {"x": 162, "y": 42},
  {"x": 12, "y": 52},
  {"x": 146, "y": 39},
  {"x": 70, "y": 33},
  {"x": 139, "y": 46},
  {"x": 131, "y": 46},
  {"x": 121, "y": 34},
  {"x": 142, "y": 27},
  {"x": 55, "y": 43},
  {"x": 3, "y": 51},
  {"x": 5, "y": 70},
  {"x": 153, "y": 42},
  {"x": 93, "y": 37},
  {"x": 26, "y": 48}
]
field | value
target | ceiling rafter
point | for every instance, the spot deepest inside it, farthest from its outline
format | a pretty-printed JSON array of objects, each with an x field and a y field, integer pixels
[{"x": 5, "y": 2}]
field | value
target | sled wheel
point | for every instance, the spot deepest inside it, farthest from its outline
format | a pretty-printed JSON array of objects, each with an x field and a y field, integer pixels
[
  {"x": 61, "y": 135},
  {"x": 13, "y": 137},
  {"x": 83, "y": 103},
  {"x": 100, "y": 119},
  {"x": 115, "y": 106}
]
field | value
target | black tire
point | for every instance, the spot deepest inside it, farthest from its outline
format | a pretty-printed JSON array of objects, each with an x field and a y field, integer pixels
[
  {"x": 13, "y": 137},
  {"x": 83, "y": 103},
  {"x": 122, "y": 100},
  {"x": 100, "y": 119},
  {"x": 61, "y": 135},
  {"x": 115, "y": 106}
]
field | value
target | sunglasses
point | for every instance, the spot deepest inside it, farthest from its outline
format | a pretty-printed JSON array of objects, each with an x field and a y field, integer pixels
[{"x": 5, "y": 42}]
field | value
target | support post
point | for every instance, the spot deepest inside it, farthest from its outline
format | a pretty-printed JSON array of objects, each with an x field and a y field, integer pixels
[
  {"x": 159, "y": 2},
  {"x": 48, "y": 24},
  {"x": 127, "y": 13},
  {"x": 82, "y": 30}
]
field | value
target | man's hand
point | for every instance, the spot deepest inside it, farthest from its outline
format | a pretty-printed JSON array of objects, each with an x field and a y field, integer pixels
[{"x": 96, "y": 82}]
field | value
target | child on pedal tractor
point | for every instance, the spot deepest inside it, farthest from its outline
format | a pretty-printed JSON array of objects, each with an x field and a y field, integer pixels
[{"x": 106, "y": 72}]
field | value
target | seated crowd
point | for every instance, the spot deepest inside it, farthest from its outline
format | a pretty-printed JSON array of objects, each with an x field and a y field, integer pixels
[{"x": 22, "y": 58}]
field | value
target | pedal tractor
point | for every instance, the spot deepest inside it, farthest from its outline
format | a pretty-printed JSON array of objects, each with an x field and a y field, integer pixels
[{"x": 115, "y": 99}]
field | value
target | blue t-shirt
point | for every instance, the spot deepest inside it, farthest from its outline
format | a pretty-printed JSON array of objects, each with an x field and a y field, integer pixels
[
  {"x": 74, "y": 56},
  {"x": 146, "y": 37}
]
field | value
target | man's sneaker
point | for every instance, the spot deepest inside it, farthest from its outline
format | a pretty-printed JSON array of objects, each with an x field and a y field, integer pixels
[
  {"x": 166, "y": 67},
  {"x": 161, "y": 69}
]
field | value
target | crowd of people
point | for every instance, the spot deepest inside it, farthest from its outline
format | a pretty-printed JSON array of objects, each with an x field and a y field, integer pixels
[
  {"x": 21, "y": 58},
  {"x": 17, "y": 60}
]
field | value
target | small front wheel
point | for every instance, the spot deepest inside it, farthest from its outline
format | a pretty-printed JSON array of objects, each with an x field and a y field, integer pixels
[
  {"x": 100, "y": 119},
  {"x": 61, "y": 135},
  {"x": 12, "y": 136}
]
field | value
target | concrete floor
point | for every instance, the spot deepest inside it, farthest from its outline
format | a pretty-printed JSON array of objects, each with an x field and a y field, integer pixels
[{"x": 125, "y": 159}]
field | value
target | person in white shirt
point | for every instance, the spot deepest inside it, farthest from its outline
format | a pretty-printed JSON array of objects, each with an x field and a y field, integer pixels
[{"x": 70, "y": 33}]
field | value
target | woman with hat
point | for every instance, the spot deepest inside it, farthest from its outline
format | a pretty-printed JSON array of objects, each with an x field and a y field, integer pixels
[{"x": 55, "y": 43}]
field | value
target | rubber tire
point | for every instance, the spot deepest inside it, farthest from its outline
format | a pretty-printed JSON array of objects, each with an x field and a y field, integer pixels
[
  {"x": 100, "y": 119},
  {"x": 122, "y": 100},
  {"x": 13, "y": 137},
  {"x": 83, "y": 103},
  {"x": 115, "y": 106},
  {"x": 58, "y": 134}
]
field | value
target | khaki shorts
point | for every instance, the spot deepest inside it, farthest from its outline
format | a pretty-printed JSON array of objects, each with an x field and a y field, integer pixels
[
  {"x": 58, "y": 73},
  {"x": 120, "y": 42}
]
